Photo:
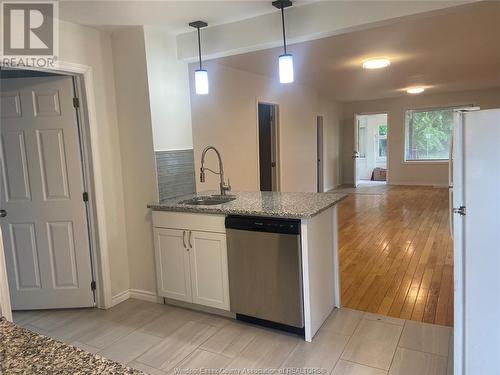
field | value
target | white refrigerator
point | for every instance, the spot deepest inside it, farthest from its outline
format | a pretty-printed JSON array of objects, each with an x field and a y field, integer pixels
[{"x": 476, "y": 235}]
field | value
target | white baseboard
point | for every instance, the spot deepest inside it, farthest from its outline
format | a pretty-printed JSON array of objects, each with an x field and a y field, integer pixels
[
  {"x": 423, "y": 184},
  {"x": 120, "y": 297},
  {"x": 148, "y": 296},
  {"x": 196, "y": 307},
  {"x": 332, "y": 187},
  {"x": 143, "y": 295}
]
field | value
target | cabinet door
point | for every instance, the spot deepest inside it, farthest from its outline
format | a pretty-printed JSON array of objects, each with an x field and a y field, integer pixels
[
  {"x": 209, "y": 275},
  {"x": 172, "y": 264}
]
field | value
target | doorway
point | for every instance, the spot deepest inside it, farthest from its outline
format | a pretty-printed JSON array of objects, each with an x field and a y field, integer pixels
[
  {"x": 319, "y": 153},
  {"x": 44, "y": 200},
  {"x": 268, "y": 146},
  {"x": 370, "y": 149}
]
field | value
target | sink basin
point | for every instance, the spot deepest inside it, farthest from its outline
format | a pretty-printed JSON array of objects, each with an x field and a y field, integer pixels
[{"x": 211, "y": 200}]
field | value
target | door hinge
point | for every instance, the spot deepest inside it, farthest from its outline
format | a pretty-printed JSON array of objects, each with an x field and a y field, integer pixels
[
  {"x": 460, "y": 210},
  {"x": 85, "y": 196},
  {"x": 93, "y": 285},
  {"x": 76, "y": 102}
]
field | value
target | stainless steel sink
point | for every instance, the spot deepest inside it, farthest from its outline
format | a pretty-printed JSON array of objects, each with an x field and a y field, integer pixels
[{"x": 210, "y": 200}]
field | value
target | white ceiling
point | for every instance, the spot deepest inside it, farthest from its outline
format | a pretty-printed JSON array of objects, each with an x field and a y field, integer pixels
[
  {"x": 458, "y": 50},
  {"x": 170, "y": 16}
]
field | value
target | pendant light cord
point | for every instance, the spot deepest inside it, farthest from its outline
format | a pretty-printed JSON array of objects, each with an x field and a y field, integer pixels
[
  {"x": 199, "y": 46},
  {"x": 283, "y": 24}
]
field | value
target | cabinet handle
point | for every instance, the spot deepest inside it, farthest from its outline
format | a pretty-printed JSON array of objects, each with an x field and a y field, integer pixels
[
  {"x": 184, "y": 238},
  {"x": 189, "y": 239}
]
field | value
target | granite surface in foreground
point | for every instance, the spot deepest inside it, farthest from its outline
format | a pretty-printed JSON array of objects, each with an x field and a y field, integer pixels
[
  {"x": 26, "y": 352},
  {"x": 269, "y": 204}
]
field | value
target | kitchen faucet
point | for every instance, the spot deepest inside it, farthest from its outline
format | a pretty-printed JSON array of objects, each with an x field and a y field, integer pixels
[{"x": 223, "y": 187}]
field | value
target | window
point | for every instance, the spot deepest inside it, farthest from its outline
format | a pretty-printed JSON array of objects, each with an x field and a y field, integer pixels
[
  {"x": 428, "y": 134},
  {"x": 382, "y": 141}
]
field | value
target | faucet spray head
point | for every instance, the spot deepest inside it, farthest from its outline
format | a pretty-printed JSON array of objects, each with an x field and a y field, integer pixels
[{"x": 202, "y": 175}]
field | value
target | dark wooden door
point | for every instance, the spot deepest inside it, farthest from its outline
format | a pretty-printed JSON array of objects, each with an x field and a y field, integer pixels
[{"x": 265, "y": 147}]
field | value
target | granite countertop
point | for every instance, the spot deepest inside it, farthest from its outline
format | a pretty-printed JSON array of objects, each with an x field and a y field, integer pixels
[
  {"x": 26, "y": 352},
  {"x": 271, "y": 204}
]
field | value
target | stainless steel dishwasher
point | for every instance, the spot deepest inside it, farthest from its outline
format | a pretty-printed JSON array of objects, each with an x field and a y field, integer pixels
[{"x": 265, "y": 271}]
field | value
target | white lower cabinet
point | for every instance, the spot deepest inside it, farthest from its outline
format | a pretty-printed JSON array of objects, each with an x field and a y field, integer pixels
[
  {"x": 191, "y": 266},
  {"x": 209, "y": 274},
  {"x": 172, "y": 264}
]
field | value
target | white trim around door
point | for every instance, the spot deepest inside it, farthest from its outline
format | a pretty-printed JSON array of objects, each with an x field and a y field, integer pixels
[
  {"x": 5, "y": 309},
  {"x": 92, "y": 160}
]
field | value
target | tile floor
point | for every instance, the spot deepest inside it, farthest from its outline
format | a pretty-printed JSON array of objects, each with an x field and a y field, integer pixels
[{"x": 160, "y": 339}]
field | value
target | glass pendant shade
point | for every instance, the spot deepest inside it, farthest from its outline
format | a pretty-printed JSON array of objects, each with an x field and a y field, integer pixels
[
  {"x": 201, "y": 81},
  {"x": 286, "y": 68}
]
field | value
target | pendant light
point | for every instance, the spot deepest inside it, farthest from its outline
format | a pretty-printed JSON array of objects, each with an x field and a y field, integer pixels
[
  {"x": 286, "y": 59},
  {"x": 200, "y": 74}
]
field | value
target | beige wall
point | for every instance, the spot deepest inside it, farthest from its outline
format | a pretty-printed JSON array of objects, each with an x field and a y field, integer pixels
[
  {"x": 227, "y": 119},
  {"x": 399, "y": 172},
  {"x": 87, "y": 46},
  {"x": 136, "y": 145},
  {"x": 168, "y": 82}
]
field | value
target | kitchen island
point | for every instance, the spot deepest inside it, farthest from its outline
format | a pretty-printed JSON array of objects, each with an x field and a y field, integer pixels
[{"x": 191, "y": 248}]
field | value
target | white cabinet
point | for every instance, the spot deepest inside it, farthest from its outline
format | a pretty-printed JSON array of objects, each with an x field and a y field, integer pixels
[
  {"x": 191, "y": 262},
  {"x": 172, "y": 264},
  {"x": 209, "y": 274}
]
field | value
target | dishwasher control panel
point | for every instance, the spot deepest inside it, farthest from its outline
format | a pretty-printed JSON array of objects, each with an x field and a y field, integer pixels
[{"x": 263, "y": 224}]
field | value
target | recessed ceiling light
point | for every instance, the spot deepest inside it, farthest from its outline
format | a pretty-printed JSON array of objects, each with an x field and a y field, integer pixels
[
  {"x": 377, "y": 63},
  {"x": 415, "y": 90}
]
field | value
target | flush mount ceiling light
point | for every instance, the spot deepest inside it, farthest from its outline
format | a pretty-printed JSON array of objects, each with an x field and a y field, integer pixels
[
  {"x": 377, "y": 63},
  {"x": 200, "y": 74},
  {"x": 285, "y": 60},
  {"x": 415, "y": 90}
]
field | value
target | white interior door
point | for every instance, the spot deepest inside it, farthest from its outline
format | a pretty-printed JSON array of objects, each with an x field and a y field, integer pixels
[
  {"x": 45, "y": 228},
  {"x": 355, "y": 153}
]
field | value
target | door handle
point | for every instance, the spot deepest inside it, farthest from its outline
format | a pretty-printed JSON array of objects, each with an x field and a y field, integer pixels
[
  {"x": 184, "y": 239},
  {"x": 189, "y": 240},
  {"x": 3, "y": 213}
]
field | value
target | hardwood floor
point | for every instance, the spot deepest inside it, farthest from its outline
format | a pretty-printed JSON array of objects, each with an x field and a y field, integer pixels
[{"x": 396, "y": 253}]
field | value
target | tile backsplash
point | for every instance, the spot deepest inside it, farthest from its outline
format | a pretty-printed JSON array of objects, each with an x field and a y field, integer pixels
[{"x": 176, "y": 175}]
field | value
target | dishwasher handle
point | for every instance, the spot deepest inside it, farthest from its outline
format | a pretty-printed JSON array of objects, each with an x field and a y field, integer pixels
[{"x": 263, "y": 224}]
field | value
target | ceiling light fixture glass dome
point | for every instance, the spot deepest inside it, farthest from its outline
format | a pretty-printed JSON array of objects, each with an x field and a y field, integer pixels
[{"x": 376, "y": 63}]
